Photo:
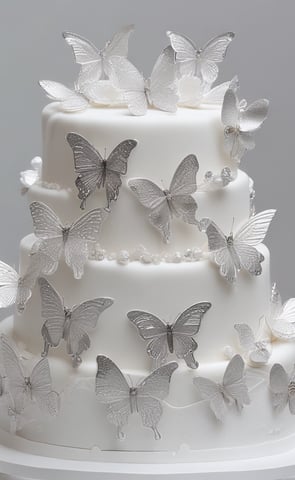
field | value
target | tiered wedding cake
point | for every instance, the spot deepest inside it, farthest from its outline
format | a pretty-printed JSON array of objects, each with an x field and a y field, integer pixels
[{"x": 144, "y": 296}]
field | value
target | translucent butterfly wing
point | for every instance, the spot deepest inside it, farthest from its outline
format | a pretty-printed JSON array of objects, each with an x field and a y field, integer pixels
[
  {"x": 52, "y": 311},
  {"x": 234, "y": 383},
  {"x": 278, "y": 384},
  {"x": 211, "y": 391},
  {"x": 14, "y": 372},
  {"x": 213, "y": 52},
  {"x": 256, "y": 350},
  {"x": 71, "y": 100},
  {"x": 46, "y": 222},
  {"x": 254, "y": 230},
  {"x": 185, "y": 52},
  {"x": 215, "y": 95},
  {"x": 41, "y": 385},
  {"x": 118, "y": 46},
  {"x": 283, "y": 325},
  {"x": 8, "y": 285},
  {"x": 189, "y": 322},
  {"x": 84, "y": 51},
  {"x": 254, "y": 115},
  {"x": 163, "y": 89},
  {"x": 230, "y": 113}
]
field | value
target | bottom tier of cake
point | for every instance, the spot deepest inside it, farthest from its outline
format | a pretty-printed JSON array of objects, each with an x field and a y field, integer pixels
[{"x": 189, "y": 429}]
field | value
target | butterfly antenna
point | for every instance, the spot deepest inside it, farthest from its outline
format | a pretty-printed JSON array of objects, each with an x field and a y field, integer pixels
[{"x": 105, "y": 153}]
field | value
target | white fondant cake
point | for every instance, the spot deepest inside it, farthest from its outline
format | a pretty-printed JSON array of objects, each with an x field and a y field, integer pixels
[{"x": 143, "y": 303}]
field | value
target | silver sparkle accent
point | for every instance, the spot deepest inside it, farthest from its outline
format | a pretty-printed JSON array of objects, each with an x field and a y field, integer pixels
[
  {"x": 122, "y": 400},
  {"x": 177, "y": 201},
  {"x": 73, "y": 325},
  {"x": 232, "y": 389},
  {"x": 154, "y": 330},
  {"x": 95, "y": 171},
  {"x": 28, "y": 178},
  {"x": 282, "y": 389}
]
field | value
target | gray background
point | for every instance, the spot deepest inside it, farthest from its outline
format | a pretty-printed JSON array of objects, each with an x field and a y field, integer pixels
[{"x": 262, "y": 54}]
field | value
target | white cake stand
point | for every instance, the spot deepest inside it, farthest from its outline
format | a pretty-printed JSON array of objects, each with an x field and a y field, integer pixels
[{"x": 16, "y": 461}]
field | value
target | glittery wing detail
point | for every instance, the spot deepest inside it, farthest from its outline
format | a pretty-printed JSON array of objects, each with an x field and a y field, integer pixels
[
  {"x": 112, "y": 389},
  {"x": 151, "y": 328},
  {"x": 41, "y": 387},
  {"x": 127, "y": 78},
  {"x": 185, "y": 52},
  {"x": 278, "y": 385},
  {"x": 230, "y": 113},
  {"x": 71, "y": 100},
  {"x": 87, "y": 55},
  {"x": 254, "y": 115},
  {"x": 83, "y": 231},
  {"x": 53, "y": 314},
  {"x": 212, "y": 53},
  {"x": 153, "y": 198},
  {"x": 116, "y": 166},
  {"x": 88, "y": 166},
  {"x": 149, "y": 393},
  {"x": 234, "y": 382},
  {"x": 27, "y": 282},
  {"x": 211, "y": 391},
  {"x": 163, "y": 89},
  {"x": 254, "y": 230},
  {"x": 246, "y": 336},
  {"x": 284, "y": 323},
  {"x": 83, "y": 321},
  {"x": 8, "y": 285},
  {"x": 14, "y": 373}
]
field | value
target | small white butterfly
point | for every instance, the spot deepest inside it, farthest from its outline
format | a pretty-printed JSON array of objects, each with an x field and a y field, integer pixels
[
  {"x": 29, "y": 177},
  {"x": 257, "y": 349},
  {"x": 241, "y": 122},
  {"x": 55, "y": 239},
  {"x": 282, "y": 316},
  {"x": 73, "y": 325},
  {"x": 95, "y": 171},
  {"x": 201, "y": 62},
  {"x": 176, "y": 201},
  {"x": 17, "y": 289},
  {"x": 95, "y": 64},
  {"x": 24, "y": 390},
  {"x": 165, "y": 338},
  {"x": 71, "y": 100},
  {"x": 282, "y": 388},
  {"x": 233, "y": 253},
  {"x": 159, "y": 91},
  {"x": 232, "y": 390},
  {"x": 112, "y": 389}
]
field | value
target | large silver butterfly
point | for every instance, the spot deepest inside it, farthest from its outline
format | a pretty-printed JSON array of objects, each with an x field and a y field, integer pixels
[
  {"x": 55, "y": 239},
  {"x": 282, "y": 316},
  {"x": 73, "y": 325},
  {"x": 159, "y": 90},
  {"x": 36, "y": 388},
  {"x": 112, "y": 389},
  {"x": 165, "y": 338},
  {"x": 257, "y": 348},
  {"x": 201, "y": 62},
  {"x": 95, "y": 64},
  {"x": 95, "y": 171},
  {"x": 233, "y": 253},
  {"x": 232, "y": 389},
  {"x": 241, "y": 123},
  {"x": 282, "y": 388},
  {"x": 176, "y": 201},
  {"x": 71, "y": 100},
  {"x": 17, "y": 289}
]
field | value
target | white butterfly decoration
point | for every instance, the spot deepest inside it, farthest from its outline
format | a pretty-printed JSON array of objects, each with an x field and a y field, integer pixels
[
  {"x": 122, "y": 399},
  {"x": 176, "y": 201},
  {"x": 232, "y": 391},
  {"x": 193, "y": 93},
  {"x": 73, "y": 325},
  {"x": 282, "y": 388},
  {"x": 257, "y": 349},
  {"x": 237, "y": 252},
  {"x": 95, "y": 171},
  {"x": 71, "y": 100},
  {"x": 165, "y": 338},
  {"x": 26, "y": 390},
  {"x": 214, "y": 182},
  {"x": 28, "y": 178},
  {"x": 15, "y": 288},
  {"x": 55, "y": 239},
  {"x": 282, "y": 316},
  {"x": 159, "y": 91},
  {"x": 201, "y": 62},
  {"x": 241, "y": 122},
  {"x": 95, "y": 64}
]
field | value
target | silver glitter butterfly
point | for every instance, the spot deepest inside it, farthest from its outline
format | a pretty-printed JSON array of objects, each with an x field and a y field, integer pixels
[
  {"x": 95, "y": 171},
  {"x": 203, "y": 61},
  {"x": 233, "y": 253},
  {"x": 216, "y": 181},
  {"x": 55, "y": 239},
  {"x": 282, "y": 316},
  {"x": 95, "y": 64},
  {"x": 71, "y": 100},
  {"x": 17, "y": 289},
  {"x": 36, "y": 388},
  {"x": 73, "y": 325},
  {"x": 165, "y": 338},
  {"x": 282, "y": 388},
  {"x": 241, "y": 122},
  {"x": 232, "y": 389},
  {"x": 159, "y": 90},
  {"x": 176, "y": 201},
  {"x": 112, "y": 389},
  {"x": 257, "y": 348},
  {"x": 28, "y": 178}
]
